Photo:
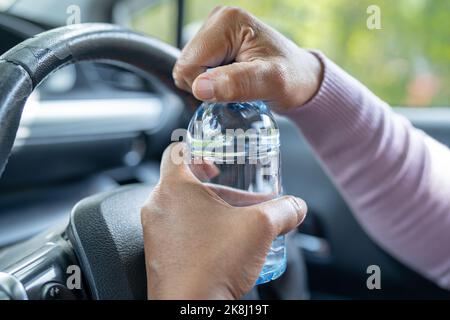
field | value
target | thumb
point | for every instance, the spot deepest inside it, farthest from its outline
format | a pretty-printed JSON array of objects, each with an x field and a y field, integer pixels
[
  {"x": 283, "y": 214},
  {"x": 174, "y": 162},
  {"x": 239, "y": 81}
]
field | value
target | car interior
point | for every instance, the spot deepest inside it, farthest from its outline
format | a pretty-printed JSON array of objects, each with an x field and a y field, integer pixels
[{"x": 85, "y": 152}]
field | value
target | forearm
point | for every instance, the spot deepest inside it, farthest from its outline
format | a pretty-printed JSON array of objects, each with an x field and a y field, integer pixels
[{"x": 395, "y": 178}]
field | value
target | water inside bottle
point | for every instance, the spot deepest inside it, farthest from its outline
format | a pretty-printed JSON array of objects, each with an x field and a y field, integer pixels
[{"x": 239, "y": 142}]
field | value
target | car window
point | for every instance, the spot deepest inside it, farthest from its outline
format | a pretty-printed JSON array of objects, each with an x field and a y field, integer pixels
[
  {"x": 157, "y": 19},
  {"x": 399, "y": 49}
]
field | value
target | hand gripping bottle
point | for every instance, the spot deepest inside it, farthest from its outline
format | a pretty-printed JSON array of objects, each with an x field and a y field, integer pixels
[{"x": 237, "y": 145}]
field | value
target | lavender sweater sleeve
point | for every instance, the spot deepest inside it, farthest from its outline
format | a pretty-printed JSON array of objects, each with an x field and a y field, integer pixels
[{"x": 395, "y": 178}]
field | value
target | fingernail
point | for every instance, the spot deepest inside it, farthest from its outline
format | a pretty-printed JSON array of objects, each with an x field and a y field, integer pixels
[
  {"x": 302, "y": 209},
  {"x": 204, "y": 89}
]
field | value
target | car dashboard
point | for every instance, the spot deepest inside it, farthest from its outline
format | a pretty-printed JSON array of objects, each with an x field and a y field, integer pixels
[{"x": 88, "y": 128}]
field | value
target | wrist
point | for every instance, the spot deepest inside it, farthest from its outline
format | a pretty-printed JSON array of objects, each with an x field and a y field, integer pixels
[
  {"x": 305, "y": 86},
  {"x": 312, "y": 74},
  {"x": 188, "y": 290},
  {"x": 187, "y": 294}
]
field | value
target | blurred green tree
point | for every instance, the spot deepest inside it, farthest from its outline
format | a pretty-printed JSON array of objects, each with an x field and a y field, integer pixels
[{"x": 406, "y": 62}]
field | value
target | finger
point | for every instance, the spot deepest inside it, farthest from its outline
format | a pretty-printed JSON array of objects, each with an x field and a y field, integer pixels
[
  {"x": 283, "y": 214},
  {"x": 240, "y": 81},
  {"x": 215, "y": 10},
  {"x": 238, "y": 198},
  {"x": 216, "y": 43},
  {"x": 199, "y": 55},
  {"x": 205, "y": 170}
]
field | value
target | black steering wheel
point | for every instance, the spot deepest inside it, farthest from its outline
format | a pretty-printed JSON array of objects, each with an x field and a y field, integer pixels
[{"x": 105, "y": 230}]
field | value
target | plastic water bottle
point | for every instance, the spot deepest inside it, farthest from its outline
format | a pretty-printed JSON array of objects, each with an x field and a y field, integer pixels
[{"x": 239, "y": 143}]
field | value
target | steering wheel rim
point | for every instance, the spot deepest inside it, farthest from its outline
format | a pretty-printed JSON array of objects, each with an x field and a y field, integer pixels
[
  {"x": 30, "y": 62},
  {"x": 106, "y": 237}
]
